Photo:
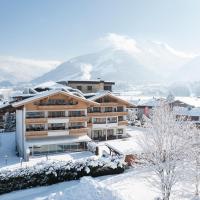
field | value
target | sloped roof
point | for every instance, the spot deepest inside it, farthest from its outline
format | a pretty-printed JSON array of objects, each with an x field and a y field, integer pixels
[
  {"x": 193, "y": 101},
  {"x": 153, "y": 102},
  {"x": 107, "y": 93},
  {"x": 42, "y": 95},
  {"x": 187, "y": 111}
]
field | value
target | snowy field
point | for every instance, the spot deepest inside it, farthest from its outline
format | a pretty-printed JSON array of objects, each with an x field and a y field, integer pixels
[{"x": 131, "y": 185}]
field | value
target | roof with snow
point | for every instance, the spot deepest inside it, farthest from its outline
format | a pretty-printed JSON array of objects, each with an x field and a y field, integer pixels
[
  {"x": 4, "y": 105},
  {"x": 125, "y": 147},
  {"x": 90, "y": 82},
  {"x": 193, "y": 101},
  {"x": 42, "y": 95},
  {"x": 153, "y": 102},
  {"x": 108, "y": 93},
  {"x": 187, "y": 111}
]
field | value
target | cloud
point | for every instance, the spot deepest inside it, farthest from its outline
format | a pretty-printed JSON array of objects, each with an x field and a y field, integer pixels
[
  {"x": 121, "y": 42},
  {"x": 17, "y": 69},
  {"x": 174, "y": 51},
  {"x": 131, "y": 46}
]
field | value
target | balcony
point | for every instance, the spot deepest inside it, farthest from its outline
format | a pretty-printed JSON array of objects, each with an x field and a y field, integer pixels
[
  {"x": 78, "y": 119},
  {"x": 56, "y": 107},
  {"x": 36, "y": 134},
  {"x": 94, "y": 114},
  {"x": 77, "y": 131},
  {"x": 123, "y": 123},
  {"x": 36, "y": 120}
]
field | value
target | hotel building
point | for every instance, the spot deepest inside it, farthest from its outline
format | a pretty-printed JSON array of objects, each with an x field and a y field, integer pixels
[{"x": 57, "y": 121}]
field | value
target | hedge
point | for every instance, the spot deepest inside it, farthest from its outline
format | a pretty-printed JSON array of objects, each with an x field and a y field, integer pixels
[{"x": 51, "y": 172}]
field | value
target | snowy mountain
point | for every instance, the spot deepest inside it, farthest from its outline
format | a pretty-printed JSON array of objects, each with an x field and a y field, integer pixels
[
  {"x": 124, "y": 59},
  {"x": 109, "y": 64},
  {"x": 14, "y": 70},
  {"x": 190, "y": 71}
]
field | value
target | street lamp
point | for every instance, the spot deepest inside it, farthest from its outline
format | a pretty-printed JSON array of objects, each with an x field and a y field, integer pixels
[
  {"x": 27, "y": 154},
  {"x": 21, "y": 159}
]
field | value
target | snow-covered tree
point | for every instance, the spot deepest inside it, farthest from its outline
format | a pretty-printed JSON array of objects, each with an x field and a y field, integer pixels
[
  {"x": 194, "y": 161},
  {"x": 165, "y": 146},
  {"x": 132, "y": 115}
]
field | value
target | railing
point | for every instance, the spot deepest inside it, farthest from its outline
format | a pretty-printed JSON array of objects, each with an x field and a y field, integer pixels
[
  {"x": 83, "y": 115},
  {"x": 125, "y": 122},
  {"x": 111, "y": 122},
  {"x": 36, "y": 134},
  {"x": 34, "y": 129},
  {"x": 77, "y": 132},
  {"x": 56, "y": 128},
  {"x": 104, "y": 122},
  {"x": 55, "y": 104},
  {"x": 36, "y": 120},
  {"x": 56, "y": 116},
  {"x": 108, "y": 113},
  {"x": 35, "y": 117},
  {"x": 76, "y": 127}
]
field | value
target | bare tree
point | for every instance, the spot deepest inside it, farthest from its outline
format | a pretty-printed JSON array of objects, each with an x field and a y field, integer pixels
[{"x": 165, "y": 146}]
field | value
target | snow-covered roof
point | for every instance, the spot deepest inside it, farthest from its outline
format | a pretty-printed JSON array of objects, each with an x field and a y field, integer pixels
[
  {"x": 105, "y": 93},
  {"x": 59, "y": 140},
  {"x": 193, "y": 101},
  {"x": 50, "y": 93},
  {"x": 187, "y": 111},
  {"x": 152, "y": 102},
  {"x": 125, "y": 147},
  {"x": 4, "y": 104}
]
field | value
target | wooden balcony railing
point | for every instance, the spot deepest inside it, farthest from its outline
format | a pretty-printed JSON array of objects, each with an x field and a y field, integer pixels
[
  {"x": 107, "y": 114},
  {"x": 125, "y": 123},
  {"x": 78, "y": 131},
  {"x": 36, "y": 120},
  {"x": 78, "y": 119},
  {"x": 36, "y": 134}
]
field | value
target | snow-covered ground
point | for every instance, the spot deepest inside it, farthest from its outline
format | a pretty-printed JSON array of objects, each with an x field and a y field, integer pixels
[{"x": 131, "y": 185}]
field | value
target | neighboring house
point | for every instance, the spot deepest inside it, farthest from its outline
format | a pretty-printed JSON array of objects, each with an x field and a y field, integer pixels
[
  {"x": 50, "y": 122},
  {"x": 144, "y": 107},
  {"x": 89, "y": 86},
  {"x": 108, "y": 119},
  {"x": 192, "y": 114}
]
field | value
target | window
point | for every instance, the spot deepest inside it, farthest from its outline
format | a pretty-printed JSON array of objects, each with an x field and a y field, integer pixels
[
  {"x": 112, "y": 119},
  {"x": 79, "y": 87},
  {"x": 108, "y": 109},
  {"x": 56, "y": 126},
  {"x": 55, "y": 102},
  {"x": 99, "y": 120},
  {"x": 76, "y": 113},
  {"x": 89, "y": 88},
  {"x": 77, "y": 125},
  {"x": 35, "y": 127},
  {"x": 120, "y": 118},
  {"x": 96, "y": 109},
  {"x": 120, "y": 109},
  {"x": 119, "y": 131},
  {"x": 56, "y": 114},
  {"x": 107, "y": 87},
  {"x": 35, "y": 115}
]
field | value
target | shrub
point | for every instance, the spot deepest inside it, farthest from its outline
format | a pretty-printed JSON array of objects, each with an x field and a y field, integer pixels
[{"x": 51, "y": 172}]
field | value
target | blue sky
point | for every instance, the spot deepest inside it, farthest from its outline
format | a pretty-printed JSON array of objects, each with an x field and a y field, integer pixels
[{"x": 60, "y": 29}]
